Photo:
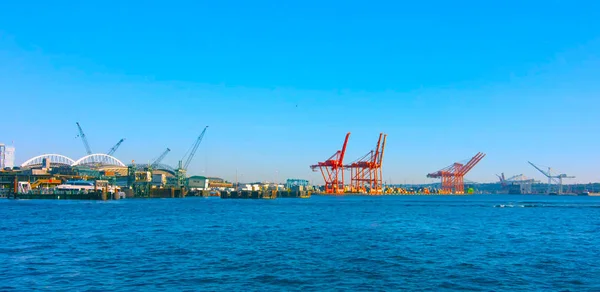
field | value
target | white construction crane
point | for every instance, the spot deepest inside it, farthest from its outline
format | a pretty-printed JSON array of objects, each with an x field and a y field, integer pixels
[{"x": 558, "y": 179}]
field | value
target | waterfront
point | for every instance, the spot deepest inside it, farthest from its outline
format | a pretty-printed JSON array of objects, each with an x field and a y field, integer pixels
[{"x": 322, "y": 243}]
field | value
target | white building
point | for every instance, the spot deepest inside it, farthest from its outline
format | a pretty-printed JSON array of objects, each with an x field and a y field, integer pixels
[
  {"x": 7, "y": 156},
  {"x": 10, "y": 157}
]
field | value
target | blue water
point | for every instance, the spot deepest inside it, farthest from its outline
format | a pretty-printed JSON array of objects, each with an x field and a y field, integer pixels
[{"x": 479, "y": 243}]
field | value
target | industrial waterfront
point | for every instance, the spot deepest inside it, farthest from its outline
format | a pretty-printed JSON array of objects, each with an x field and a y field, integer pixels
[{"x": 102, "y": 176}]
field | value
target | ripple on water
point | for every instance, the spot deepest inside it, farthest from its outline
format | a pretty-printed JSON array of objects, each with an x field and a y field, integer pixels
[{"x": 478, "y": 243}]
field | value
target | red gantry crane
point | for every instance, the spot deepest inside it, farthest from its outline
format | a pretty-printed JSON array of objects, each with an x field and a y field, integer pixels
[
  {"x": 333, "y": 170},
  {"x": 453, "y": 176},
  {"x": 365, "y": 173}
]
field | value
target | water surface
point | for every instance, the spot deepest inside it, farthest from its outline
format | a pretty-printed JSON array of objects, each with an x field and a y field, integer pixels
[{"x": 479, "y": 243}]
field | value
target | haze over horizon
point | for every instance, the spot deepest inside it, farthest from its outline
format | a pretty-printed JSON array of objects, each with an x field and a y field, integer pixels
[{"x": 280, "y": 84}]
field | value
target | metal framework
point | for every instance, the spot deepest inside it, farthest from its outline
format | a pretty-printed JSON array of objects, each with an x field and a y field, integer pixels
[
  {"x": 188, "y": 156},
  {"x": 154, "y": 167},
  {"x": 333, "y": 170},
  {"x": 164, "y": 167},
  {"x": 453, "y": 176},
  {"x": 99, "y": 159},
  {"x": 524, "y": 184},
  {"x": 56, "y": 159},
  {"x": 292, "y": 182},
  {"x": 84, "y": 139},
  {"x": 160, "y": 158},
  {"x": 365, "y": 173},
  {"x": 193, "y": 150},
  {"x": 114, "y": 148},
  {"x": 558, "y": 179}
]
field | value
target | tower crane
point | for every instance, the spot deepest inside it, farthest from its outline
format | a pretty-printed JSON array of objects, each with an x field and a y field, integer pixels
[
  {"x": 160, "y": 158},
  {"x": 84, "y": 139},
  {"x": 114, "y": 148},
  {"x": 182, "y": 169},
  {"x": 558, "y": 179},
  {"x": 192, "y": 151}
]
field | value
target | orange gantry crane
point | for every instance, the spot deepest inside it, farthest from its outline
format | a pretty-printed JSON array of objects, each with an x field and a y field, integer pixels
[
  {"x": 333, "y": 170},
  {"x": 453, "y": 176},
  {"x": 365, "y": 173}
]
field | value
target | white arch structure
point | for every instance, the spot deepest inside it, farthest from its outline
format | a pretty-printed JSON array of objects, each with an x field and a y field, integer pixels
[
  {"x": 99, "y": 158},
  {"x": 54, "y": 159}
]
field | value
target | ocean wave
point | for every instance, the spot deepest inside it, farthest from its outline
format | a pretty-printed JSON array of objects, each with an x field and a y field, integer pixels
[{"x": 528, "y": 205}]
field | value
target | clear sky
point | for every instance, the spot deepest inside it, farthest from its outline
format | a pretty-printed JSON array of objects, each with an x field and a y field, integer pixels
[{"x": 281, "y": 82}]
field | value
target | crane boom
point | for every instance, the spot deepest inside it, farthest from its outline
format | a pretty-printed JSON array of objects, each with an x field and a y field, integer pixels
[
  {"x": 465, "y": 169},
  {"x": 375, "y": 155},
  {"x": 84, "y": 139},
  {"x": 547, "y": 174},
  {"x": 502, "y": 179},
  {"x": 114, "y": 148},
  {"x": 333, "y": 170},
  {"x": 514, "y": 177},
  {"x": 343, "y": 153},
  {"x": 540, "y": 170},
  {"x": 558, "y": 179},
  {"x": 160, "y": 158},
  {"x": 380, "y": 162},
  {"x": 453, "y": 175},
  {"x": 194, "y": 148}
]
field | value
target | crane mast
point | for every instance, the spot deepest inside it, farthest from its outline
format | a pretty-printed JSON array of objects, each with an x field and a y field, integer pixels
[
  {"x": 114, "y": 148},
  {"x": 84, "y": 139},
  {"x": 160, "y": 158},
  {"x": 182, "y": 169},
  {"x": 193, "y": 150}
]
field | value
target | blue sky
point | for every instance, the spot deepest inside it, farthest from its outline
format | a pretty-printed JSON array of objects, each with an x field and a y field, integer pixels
[{"x": 280, "y": 84}]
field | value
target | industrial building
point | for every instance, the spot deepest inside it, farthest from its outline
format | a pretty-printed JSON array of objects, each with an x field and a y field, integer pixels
[
  {"x": 156, "y": 179},
  {"x": 138, "y": 179},
  {"x": 205, "y": 183}
]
